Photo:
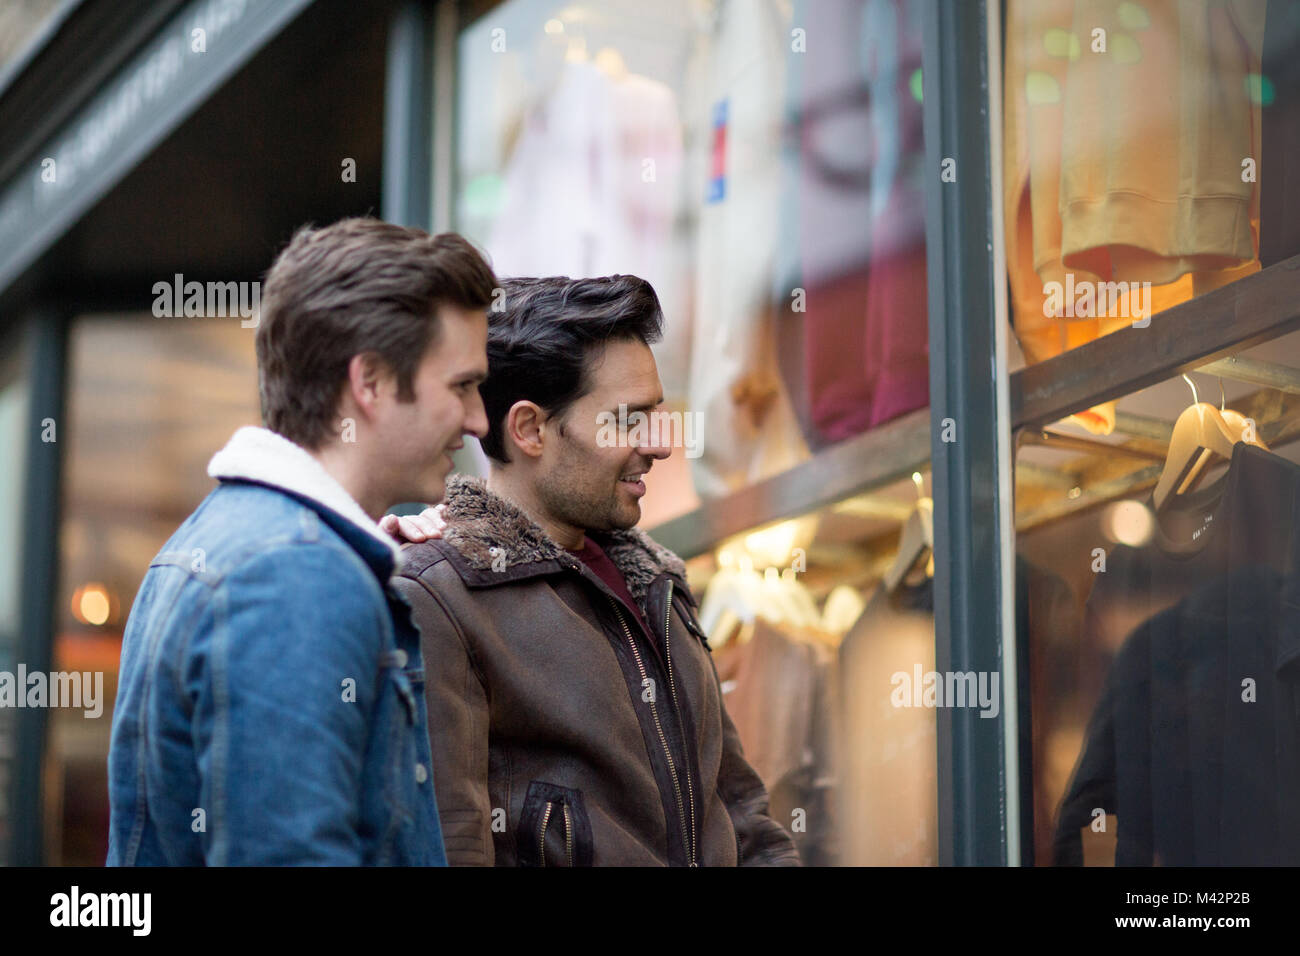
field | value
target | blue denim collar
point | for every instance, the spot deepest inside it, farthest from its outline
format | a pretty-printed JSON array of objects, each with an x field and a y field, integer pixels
[
  {"x": 378, "y": 558},
  {"x": 260, "y": 456}
]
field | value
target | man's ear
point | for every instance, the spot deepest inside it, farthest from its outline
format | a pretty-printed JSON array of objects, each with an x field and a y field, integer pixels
[
  {"x": 524, "y": 428},
  {"x": 368, "y": 376}
]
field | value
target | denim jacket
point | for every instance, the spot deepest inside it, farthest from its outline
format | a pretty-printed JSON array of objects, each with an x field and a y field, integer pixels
[{"x": 270, "y": 706}]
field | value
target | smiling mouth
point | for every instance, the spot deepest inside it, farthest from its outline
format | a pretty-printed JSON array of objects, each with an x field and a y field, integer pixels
[{"x": 634, "y": 477}]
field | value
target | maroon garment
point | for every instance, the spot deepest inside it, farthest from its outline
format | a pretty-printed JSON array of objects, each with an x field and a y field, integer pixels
[
  {"x": 861, "y": 220},
  {"x": 593, "y": 556}
]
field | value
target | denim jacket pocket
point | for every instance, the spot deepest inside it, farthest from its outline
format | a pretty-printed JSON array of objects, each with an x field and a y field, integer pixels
[{"x": 554, "y": 829}]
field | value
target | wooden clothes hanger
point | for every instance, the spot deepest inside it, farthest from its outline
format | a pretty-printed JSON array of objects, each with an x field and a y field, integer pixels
[
  {"x": 916, "y": 539},
  {"x": 1200, "y": 432},
  {"x": 807, "y": 613},
  {"x": 730, "y": 626}
]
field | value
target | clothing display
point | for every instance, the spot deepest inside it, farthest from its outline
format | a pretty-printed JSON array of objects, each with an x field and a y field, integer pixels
[
  {"x": 735, "y": 381},
  {"x": 763, "y": 164},
  {"x": 593, "y": 187},
  {"x": 779, "y": 690},
  {"x": 1123, "y": 160},
  {"x": 888, "y": 787},
  {"x": 860, "y": 160},
  {"x": 1193, "y": 746}
]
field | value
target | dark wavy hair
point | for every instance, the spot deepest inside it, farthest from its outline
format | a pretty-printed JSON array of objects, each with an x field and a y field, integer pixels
[{"x": 544, "y": 335}]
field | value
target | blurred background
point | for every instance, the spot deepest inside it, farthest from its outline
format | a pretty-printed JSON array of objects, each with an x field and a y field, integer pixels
[{"x": 763, "y": 163}]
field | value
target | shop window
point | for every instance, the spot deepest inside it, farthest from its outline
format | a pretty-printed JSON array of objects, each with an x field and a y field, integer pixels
[
  {"x": 1158, "y": 610},
  {"x": 760, "y": 163},
  {"x": 1148, "y": 162},
  {"x": 1148, "y": 158},
  {"x": 822, "y": 631},
  {"x": 148, "y": 402}
]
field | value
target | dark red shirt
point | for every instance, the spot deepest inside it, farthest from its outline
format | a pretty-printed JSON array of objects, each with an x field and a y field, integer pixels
[{"x": 593, "y": 556}]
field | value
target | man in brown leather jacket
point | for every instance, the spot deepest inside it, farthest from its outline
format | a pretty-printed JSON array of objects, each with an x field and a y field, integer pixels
[{"x": 574, "y": 710}]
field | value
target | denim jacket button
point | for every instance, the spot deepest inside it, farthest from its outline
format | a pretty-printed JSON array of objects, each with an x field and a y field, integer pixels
[
  {"x": 421, "y": 773},
  {"x": 400, "y": 657}
]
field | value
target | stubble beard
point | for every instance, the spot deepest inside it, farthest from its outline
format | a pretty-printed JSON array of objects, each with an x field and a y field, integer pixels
[{"x": 581, "y": 507}]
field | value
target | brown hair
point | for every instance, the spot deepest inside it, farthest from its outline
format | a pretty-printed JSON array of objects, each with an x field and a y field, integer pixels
[{"x": 358, "y": 285}]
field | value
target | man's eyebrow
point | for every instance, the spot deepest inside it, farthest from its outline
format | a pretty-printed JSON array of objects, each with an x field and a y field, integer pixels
[
  {"x": 643, "y": 407},
  {"x": 475, "y": 375}
]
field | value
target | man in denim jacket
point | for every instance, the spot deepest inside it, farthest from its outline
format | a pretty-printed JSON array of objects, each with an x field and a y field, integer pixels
[{"x": 271, "y": 705}]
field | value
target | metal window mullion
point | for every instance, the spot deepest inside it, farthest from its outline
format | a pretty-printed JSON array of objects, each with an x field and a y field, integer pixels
[
  {"x": 968, "y": 473},
  {"x": 42, "y": 483},
  {"x": 408, "y": 117}
]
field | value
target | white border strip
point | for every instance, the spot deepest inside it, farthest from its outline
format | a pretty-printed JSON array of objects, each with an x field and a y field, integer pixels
[{"x": 1006, "y": 478}]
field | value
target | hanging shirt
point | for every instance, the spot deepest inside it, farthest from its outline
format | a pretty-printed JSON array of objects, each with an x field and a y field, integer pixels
[
  {"x": 1158, "y": 126},
  {"x": 737, "y": 101},
  {"x": 779, "y": 692},
  {"x": 861, "y": 216},
  {"x": 888, "y": 793},
  {"x": 1125, "y": 164},
  {"x": 1193, "y": 744}
]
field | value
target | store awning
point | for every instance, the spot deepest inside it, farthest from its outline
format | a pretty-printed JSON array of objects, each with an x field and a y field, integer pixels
[{"x": 173, "y": 72}]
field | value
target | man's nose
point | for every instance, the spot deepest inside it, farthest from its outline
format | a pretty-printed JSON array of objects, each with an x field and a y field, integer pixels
[{"x": 660, "y": 449}]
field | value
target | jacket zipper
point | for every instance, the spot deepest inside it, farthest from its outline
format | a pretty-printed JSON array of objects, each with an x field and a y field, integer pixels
[
  {"x": 654, "y": 712},
  {"x": 568, "y": 833},
  {"x": 672, "y": 690},
  {"x": 541, "y": 837}
]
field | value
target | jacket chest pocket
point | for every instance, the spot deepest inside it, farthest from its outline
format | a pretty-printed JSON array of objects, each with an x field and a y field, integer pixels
[{"x": 554, "y": 829}]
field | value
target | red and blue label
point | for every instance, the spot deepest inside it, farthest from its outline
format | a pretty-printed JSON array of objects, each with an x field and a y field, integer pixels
[{"x": 717, "y": 190}]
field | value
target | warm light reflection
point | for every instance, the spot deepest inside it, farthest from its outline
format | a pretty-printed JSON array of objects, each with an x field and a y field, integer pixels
[
  {"x": 91, "y": 604},
  {"x": 1128, "y": 522},
  {"x": 771, "y": 547}
]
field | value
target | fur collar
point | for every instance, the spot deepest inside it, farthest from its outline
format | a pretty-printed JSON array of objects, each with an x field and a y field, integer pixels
[
  {"x": 261, "y": 455},
  {"x": 485, "y": 528}
]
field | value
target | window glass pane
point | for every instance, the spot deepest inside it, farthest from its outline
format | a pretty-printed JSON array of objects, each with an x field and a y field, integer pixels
[
  {"x": 1148, "y": 157},
  {"x": 149, "y": 402},
  {"x": 15, "y": 432},
  {"x": 1160, "y": 626},
  {"x": 760, "y": 163}
]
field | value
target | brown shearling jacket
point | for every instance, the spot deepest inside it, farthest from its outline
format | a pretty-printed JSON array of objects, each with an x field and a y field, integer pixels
[{"x": 560, "y": 735}]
